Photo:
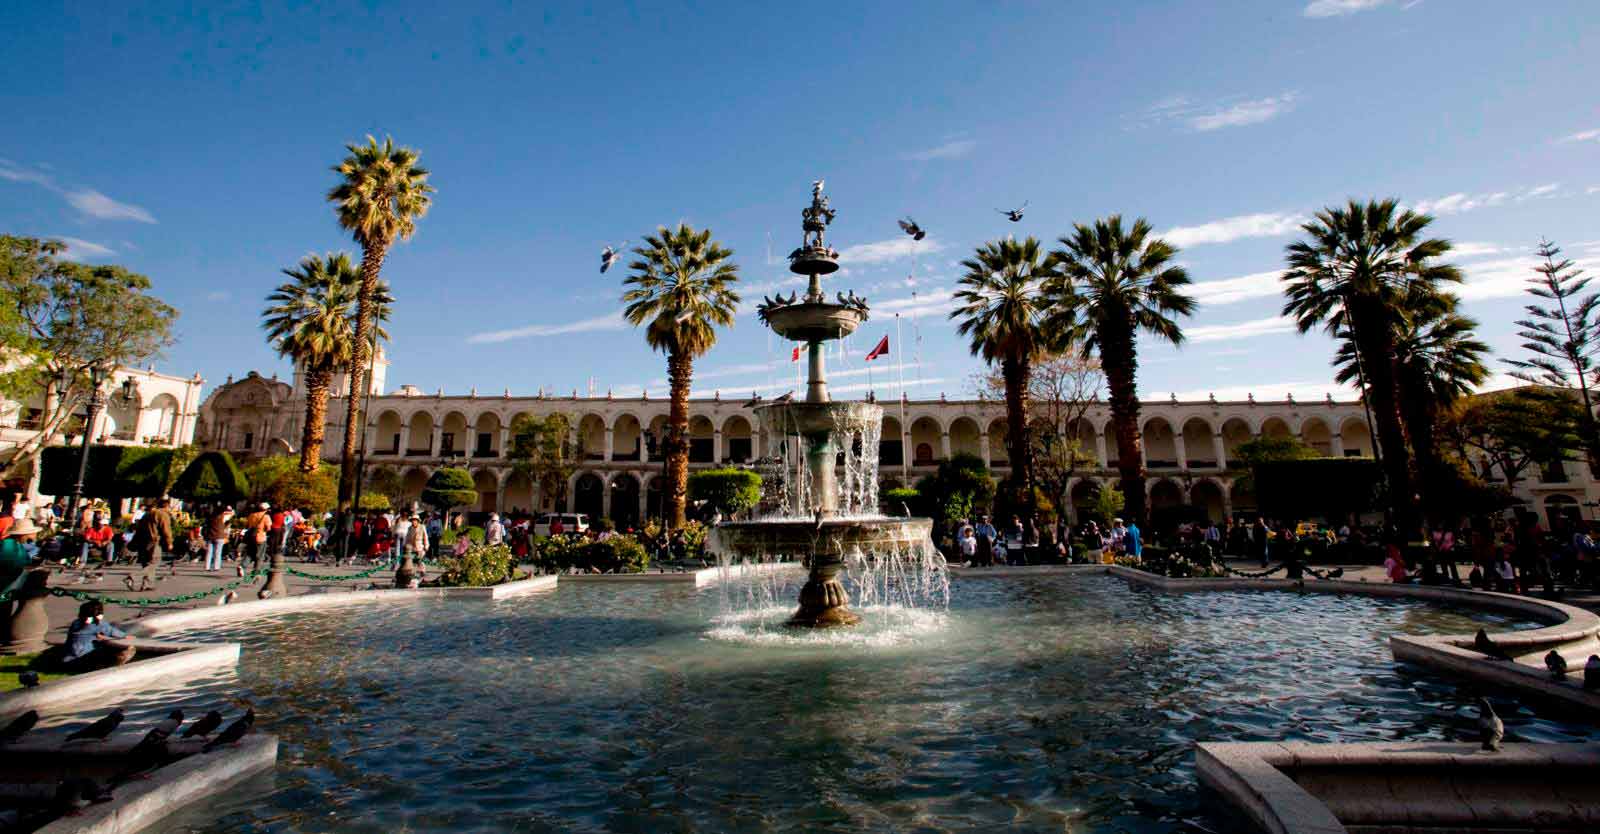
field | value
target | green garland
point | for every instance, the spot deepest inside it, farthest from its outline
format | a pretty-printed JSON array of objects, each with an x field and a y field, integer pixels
[
  {"x": 323, "y": 578},
  {"x": 85, "y": 596}
]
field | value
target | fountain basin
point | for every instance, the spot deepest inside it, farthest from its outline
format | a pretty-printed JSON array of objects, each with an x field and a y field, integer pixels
[
  {"x": 804, "y": 419},
  {"x": 836, "y": 536},
  {"x": 812, "y": 321}
]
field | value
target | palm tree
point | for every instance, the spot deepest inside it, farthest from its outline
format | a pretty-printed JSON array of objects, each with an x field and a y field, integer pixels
[
  {"x": 1003, "y": 310},
  {"x": 1114, "y": 283},
  {"x": 311, "y": 319},
  {"x": 1438, "y": 360},
  {"x": 1355, "y": 267},
  {"x": 382, "y": 194},
  {"x": 680, "y": 290}
]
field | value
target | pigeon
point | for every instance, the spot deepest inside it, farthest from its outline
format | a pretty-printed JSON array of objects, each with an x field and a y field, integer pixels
[
  {"x": 1014, "y": 215},
  {"x": 99, "y": 730},
  {"x": 785, "y": 398},
  {"x": 1483, "y": 645},
  {"x": 1556, "y": 664},
  {"x": 264, "y": 593},
  {"x": 816, "y": 187},
  {"x": 235, "y": 731},
  {"x": 228, "y": 598},
  {"x": 128, "y": 581},
  {"x": 1591, "y": 673},
  {"x": 1491, "y": 730},
  {"x": 28, "y": 678},
  {"x": 207, "y": 724},
  {"x": 239, "y": 568},
  {"x": 754, "y": 401},
  {"x": 817, "y": 514},
  {"x": 19, "y": 726},
  {"x": 1335, "y": 573},
  {"x": 716, "y": 518},
  {"x": 610, "y": 256},
  {"x": 156, "y": 739},
  {"x": 910, "y": 227},
  {"x": 69, "y": 799}
]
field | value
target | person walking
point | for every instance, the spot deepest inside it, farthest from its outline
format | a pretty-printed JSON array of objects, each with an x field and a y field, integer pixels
[
  {"x": 1258, "y": 540},
  {"x": 402, "y": 529},
  {"x": 152, "y": 538},
  {"x": 416, "y": 548},
  {"x": 256, "y": 526},
  {"x": 986, "y": 534},
  {"x": 217, "y": 537},
  {"x": 495, "y": 532}
]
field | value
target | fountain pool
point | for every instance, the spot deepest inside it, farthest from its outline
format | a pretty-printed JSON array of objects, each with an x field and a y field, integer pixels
[{"x": 1065, "y": 703}]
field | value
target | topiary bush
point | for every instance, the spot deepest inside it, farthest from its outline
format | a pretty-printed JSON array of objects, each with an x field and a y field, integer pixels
[
  {"x": 449, "y": 487},
  {"x": 480, "y": 565},
  {"x": 618, "y": 554},
  {"x": 901, "y": 502},
  {"x": 212, "y": 477},
  {"x": 730, "y": 491}
]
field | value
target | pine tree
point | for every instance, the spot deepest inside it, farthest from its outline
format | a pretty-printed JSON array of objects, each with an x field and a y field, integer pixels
[{"x": 1564, "y": 336}]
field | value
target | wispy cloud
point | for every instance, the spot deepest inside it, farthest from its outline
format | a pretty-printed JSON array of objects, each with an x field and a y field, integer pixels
[
  {"x": 87, "y": 201},
  {"x": 78, "y": 248},
  {"x": 1242, "y": 288},
  {"x": 954, "y": 149},
  {"x": 1547, "y": 190},
  {"x": 1507, "y": 277},
  {"x": 95, "y": 204},
  {"x": 1461, "y": 201},
  {"x": 1239, "y": 329},
  {"x": 1581, "y": 136},
  {"x": 888, "y": 251},
  {"x": 609, "y": 321},
  {"x": 1339, "y": 8},
  {"x": 219, "y": 295},
  {"x": 933, "y": 302},
  {"x": 1243, "y": 113},
  {"x": 1229, "y": 229},
  {"x": 1462, "y": 250}
]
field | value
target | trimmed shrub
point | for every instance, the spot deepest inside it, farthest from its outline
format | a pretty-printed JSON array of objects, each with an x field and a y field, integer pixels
[
  {"x": 730, "y": 491},
  {"x": 480, "y": 565},
  {"x": 901, "y": 502},
  {"x": 449, "y": 487},
  {"x": 213, "y": 478},
  {"x": 618, "y": 554},
  {"x": 314, "y": 492},
  {"x": 113, "y": 471}
]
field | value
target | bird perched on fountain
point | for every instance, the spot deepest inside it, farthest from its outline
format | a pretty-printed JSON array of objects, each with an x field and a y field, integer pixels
[
  {"x": 99, "y": 730},
  {"x": 235, "y": 731},
  {"x": 1483, "y": 645},
  {"x": 207, "y": 724},
  {"x": 610, "y": 256},
  {"x": 1591, "y": 673},
  {"x": 19, "y": 726},
  {"x": 156, "y": 739},
  {"x": 1014, "y": 215},
  {"x": 910, "y": 227},
  {"x": 785, "y": 398},
  {"x": 28, "y": 678},
  {"x": 817, "y": 514},
  {"x": 1556, "y": 664},
  {"x": 1491, "y": 730},
  {"x": 754, "y": 401},
  {"x": 228, "y": 598}
]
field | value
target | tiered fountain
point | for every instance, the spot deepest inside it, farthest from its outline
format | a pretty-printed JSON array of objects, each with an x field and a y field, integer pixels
[{"x": 828, "y": 488}]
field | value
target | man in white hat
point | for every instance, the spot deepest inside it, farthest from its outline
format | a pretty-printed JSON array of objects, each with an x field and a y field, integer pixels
[{"x": 495, "y": 533}]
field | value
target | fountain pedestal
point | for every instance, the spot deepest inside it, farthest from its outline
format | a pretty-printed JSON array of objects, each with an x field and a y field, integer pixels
[{"x": 823, "y": 600}]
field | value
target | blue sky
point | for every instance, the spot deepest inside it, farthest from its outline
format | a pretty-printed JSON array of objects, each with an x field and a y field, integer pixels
[{"x": 195, "y": 145}]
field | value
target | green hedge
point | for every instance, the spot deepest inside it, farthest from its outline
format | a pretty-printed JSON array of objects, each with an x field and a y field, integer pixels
[
  {"x": 113, "y": 471},
  {"x": 729, "y": 490},
  {"x": 212, "y": 477}
]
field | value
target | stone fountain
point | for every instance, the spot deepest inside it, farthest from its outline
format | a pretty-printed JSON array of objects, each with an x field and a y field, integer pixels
[{"x": 827, "y": 489}]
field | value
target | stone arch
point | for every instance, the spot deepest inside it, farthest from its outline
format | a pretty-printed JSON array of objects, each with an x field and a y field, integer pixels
[
  {"x": 453, "y": 440},
  {"x": 485, "y": 438},
  {"x": 1160, "y": 444},
  {"x": 420, "y": 433},
  {"x": 1198, "y": 447},
  {"x": 387, "y": 441},
  {"x": 1562, "y": 511},
  {"x": 1112, "y": 453},
  {"x": 1276, "y": 428},
  {"x": 627, "y": 438},
  {"x": 1206, "y": 494},
  {"x": 411, "y": 484},
  {"x": 658, "y": 429},
  {"x": 518, "y": 493},
  {"x": 999, "y": 454},
  {"x": 624, "y": 500},
  {"x": 122, "y": 415},
  {"x": 738, "y": 440},
  {"x": 1242, "y": 498},
  {"x": 1082, "y": 495},
  {"x": 1314, "y": 432},
  {"x": 588, "y": 495},
  {"x": 964, "y": 437},
  {"x": 591, "y": 437},
  {"x": 1235, "y": 432},
  {"x": 926, "y": 442},
  {"x": 488, "y": 487},
  {"x": 1355, "y": 437},
  {"x": 164, "y": 417},
  {"x": 1165, "y": 493},
  {"x": 891, "y": 445},
  {"x": 654, "y": 495},
  {"x": 702, "y": 439}
]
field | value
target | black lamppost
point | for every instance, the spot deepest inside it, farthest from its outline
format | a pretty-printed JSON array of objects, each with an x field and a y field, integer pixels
[
  {"x": 347, "y": 519},
  {"x": 97, "y": 400}
]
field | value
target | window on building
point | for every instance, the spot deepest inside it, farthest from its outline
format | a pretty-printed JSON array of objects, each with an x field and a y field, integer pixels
[
  {"x": 701, "y": 450},
  {"x": 447, "y": 443},
  {"x": 738, "y": 449},
  {"x": 249, "y": 440},
  {"x": 924, "y": 455},
  {"x": 485, "y": 442},
  {"x": 890, "y": 453}
]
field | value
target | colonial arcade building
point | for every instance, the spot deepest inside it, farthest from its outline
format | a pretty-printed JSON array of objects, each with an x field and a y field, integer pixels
[{"x": 1189, "y": 447}]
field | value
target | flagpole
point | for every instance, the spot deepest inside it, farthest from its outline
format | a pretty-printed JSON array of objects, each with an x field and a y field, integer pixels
[{"x": 905, "y": 469}]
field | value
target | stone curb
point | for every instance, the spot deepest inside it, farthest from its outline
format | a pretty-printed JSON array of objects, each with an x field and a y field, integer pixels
[
  {"x": 183, "y": 661},
  {"x": 697, "y": 578}
]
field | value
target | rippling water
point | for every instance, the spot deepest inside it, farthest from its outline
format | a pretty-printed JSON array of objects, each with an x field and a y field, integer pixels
[{"x": 1044, "y": 704}]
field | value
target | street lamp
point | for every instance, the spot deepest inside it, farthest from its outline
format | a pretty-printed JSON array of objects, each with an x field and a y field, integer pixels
[{"x": 97, "y": 400}]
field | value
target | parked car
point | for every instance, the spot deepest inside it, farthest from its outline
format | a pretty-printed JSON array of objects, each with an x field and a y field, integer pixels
[{"x": 570, "y": 523}]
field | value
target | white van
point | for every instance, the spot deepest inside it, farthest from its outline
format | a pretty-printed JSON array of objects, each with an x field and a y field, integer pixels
[{"x": 570, "y": 523}]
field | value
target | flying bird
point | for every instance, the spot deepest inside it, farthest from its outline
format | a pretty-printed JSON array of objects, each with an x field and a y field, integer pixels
[
  {"x": 1014, "y": 215},
  {"x": 1591, "y": 673},
  {"x": 207, "y": 724},
  {"x": 19, "y": 726},
  {"x": 1556, "y": 664},
  {"x": 235, "y": 731},
  {"x": 1491, "y": 730},
  {"x": 610, "y": 256},
  {"x": 910, "y": 227},
  {"x": 99, "y": 730},
  {"x": 1483, "y": 645}
]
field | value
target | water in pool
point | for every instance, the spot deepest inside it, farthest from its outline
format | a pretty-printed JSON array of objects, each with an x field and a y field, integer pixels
[{"x": 1041, "y": 704}]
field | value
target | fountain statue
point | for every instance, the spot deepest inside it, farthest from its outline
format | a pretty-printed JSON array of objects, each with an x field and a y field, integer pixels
[{"x": 826, "y": 466}]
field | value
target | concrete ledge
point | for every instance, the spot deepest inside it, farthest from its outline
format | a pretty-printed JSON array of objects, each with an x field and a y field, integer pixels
[
  {"x": 136, "y": 805},
  {"x": 1022, "y": 570},
  {"x": 1573, "y": 631},
  {"x": 695, "y": 578},
  {"x": 1301, "y": 788},
  {"x": 180, "y": 662}
]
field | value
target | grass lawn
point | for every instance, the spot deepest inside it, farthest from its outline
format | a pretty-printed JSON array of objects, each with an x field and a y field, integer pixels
[{"x": 11, "y": 665}]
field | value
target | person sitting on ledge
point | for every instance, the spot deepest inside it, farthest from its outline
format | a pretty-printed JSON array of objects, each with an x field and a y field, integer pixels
[
  {"x": 86, "y": 649},
  {"x": 1395, "y": 565}
]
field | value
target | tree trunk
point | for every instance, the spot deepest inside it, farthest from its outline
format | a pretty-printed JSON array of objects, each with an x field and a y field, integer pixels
[
  {"x": 1119, "y": 360},
  {"x": 1370, "y": 322},
  {"x": 680, "y": 371},
  {"x": 1018, "y": 448},
  {"x": 1419, "y": 413},
  {"x": 371, "y": 264},
  {"x": 316, "y": 418}
]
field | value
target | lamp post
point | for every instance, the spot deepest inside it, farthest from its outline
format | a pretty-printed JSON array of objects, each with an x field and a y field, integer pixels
[
  {"x": 347, "y": 519},
  {"x": 97, "y": 400}
]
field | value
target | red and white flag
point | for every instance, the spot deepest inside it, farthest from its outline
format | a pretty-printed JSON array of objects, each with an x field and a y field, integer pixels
[
  {"x": 880, "y": 350},
  {"x": 795, "y": 357}
]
